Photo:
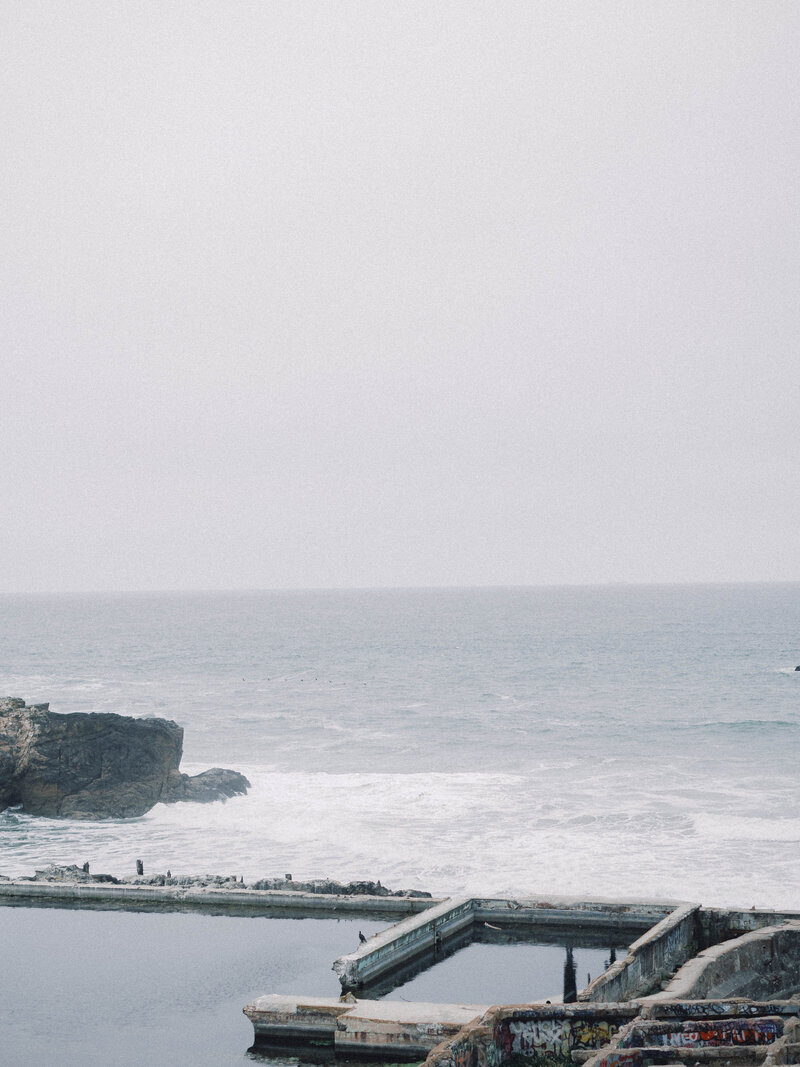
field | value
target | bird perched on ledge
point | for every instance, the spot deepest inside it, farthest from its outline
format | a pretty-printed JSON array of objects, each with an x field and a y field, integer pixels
[{"x": 361, "y": 938}]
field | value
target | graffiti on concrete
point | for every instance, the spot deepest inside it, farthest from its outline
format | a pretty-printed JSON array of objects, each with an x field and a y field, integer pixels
[
  {"x": 720, "y": 1032},
  {"x": 558, "y": 1037},
  {"x": 627, "y": 1058},
  {"x": 704, "y": 1009},
  {"x": 477, "y": 1051}
]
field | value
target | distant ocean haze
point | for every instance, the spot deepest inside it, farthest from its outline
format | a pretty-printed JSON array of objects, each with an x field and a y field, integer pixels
[{"x": 609, "y": 741}]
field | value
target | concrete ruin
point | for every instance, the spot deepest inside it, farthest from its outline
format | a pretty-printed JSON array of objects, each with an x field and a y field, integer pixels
[{"x": 697, "y": 985}]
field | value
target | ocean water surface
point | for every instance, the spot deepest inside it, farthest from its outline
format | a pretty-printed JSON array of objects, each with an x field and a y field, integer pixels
[{"x": 600, "y": 742}]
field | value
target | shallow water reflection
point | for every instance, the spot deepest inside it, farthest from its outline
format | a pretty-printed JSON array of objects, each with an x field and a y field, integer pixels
[{"x": 96, "y": 987}]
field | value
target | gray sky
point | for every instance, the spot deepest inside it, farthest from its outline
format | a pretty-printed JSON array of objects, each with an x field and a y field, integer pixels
[{"x": 373, "y": 293}]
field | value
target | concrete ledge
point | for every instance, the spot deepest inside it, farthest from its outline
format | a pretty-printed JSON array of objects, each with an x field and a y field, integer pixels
[
  {"x": 532, "y": 1030},
  {"x": 394, "y": 1029},
  {"x": 400, "y": 1028},
  {"x": 723, "y": 924},
  {"x": 603, "y": 915},
  {"x": 698, "y": 1033},
  {"x": 392, "y": 949},
  {"x": 762, "y": 963},
  {"x": 656, "y": 1008},
  {"x": 701, "y": 1039},
  {"x": 605, "y": 1035},
  {"x": 787, "y": 1048},
  {"x": 663, "y": 1057},
  {"x": 250, "y": 901},
  {"x": 295, "y": 1020},
  {"x": 656, "y": 954}
]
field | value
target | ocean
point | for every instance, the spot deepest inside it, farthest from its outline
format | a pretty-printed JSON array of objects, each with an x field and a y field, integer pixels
[{"x": 600, "y": 742}]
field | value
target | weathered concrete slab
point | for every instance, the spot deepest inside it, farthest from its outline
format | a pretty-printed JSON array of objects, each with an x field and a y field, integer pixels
[
  {"x": 669, "y": 1029},
  {"x": 627, "y": 1035},
  {"x": 762, "y": 963},
  {"x": 727, "y": 1055},
  {"x": 657, "y": 1008},
  {"x": 602, "y": 915},
  {"x": 400, "y": 1028},
  {"x": 393, "y": 949},
  {"x": 293, "y": 1020},
  {"x": 243, "y": 901},
  {"x": 379, "y": 1028},
  {"x": 698, "y": 1033},
  {"x": 650, "y": 959}
]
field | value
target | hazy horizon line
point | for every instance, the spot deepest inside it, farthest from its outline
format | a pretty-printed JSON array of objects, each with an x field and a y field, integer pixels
[{"x": 257, "y": 590}]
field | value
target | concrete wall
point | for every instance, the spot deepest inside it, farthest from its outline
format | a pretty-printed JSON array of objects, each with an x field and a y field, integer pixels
[
  {"x": 552, "y": 1030},
  {"x": 763, "y": 963},
  {"x": 392, "y": 949},
  {"x": 654, "y": 1008},
  {"x": 375, "y": 1028},
  {"x": 656, "y": 955},
  {"x": 723, "y": 924},
  {"x": 696, "y": 1040},
  {"x": 612, "y": 1035},
  {"x": 609, "y": 916},
  {"x": 233, "y": 901},
  {"x": 787, "y": 1048},
  {"x": 696, "y": 1033}
]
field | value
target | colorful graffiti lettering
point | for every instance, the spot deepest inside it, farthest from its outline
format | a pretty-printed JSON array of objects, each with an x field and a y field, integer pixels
[
  {"x": 693, "y": 1009},
  {"x": 690, "y": 1035},
  {"x": 556, "y": 1037},
  {"x": 586, "y": 1034},
  {"x": 478, "y": 1050},
  {"x": 629, "y": 1058}
]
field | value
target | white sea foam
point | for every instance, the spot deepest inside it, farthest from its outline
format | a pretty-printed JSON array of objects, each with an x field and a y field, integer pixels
[
  {"x": 748, "y": 828},
  {"x": 448, "y": 833},
  {"x": 443, "y": 741}
]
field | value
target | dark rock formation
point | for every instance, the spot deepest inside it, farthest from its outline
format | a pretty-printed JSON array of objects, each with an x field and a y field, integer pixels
[
  {"x": 97, "y": 766},
  {"x": 216, "y": 784}
]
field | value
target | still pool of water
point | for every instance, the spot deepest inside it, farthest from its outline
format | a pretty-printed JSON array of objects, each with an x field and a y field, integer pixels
[
  {"x": 130, "y": 988},
  {"x": 502, "y": 974},
  {"x": 101, "y": 987}
]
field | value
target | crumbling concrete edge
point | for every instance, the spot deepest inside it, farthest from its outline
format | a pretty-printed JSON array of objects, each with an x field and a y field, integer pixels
[
  {"x": 596, "y": 1033},
  {"x": 722, "y": 970},
  {"x": 357, "y": 1027},
  {"x": 559, "y": 911},
  {"x": 256, "y": 901},
  {"x": 392, "y": 949},
  {"x": 654, "y": 957}
]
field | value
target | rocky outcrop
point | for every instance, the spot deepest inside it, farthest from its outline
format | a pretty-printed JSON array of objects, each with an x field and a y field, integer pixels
[
  {"x": 203, "y": 788},
  {"x": 97, "y": 766}
]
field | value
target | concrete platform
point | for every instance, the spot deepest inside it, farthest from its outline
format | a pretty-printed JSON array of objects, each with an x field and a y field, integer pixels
[
  {"x": 377, "y": 1028},
  {"x": 298, "y": 904}
]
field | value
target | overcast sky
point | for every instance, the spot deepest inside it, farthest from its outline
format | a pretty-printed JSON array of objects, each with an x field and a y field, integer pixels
[{"x": 372, "y": 293}]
